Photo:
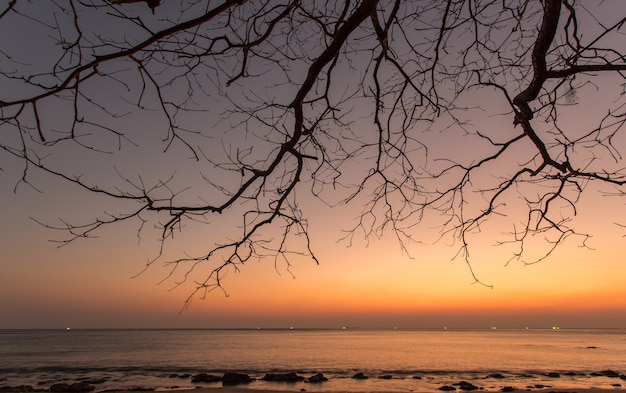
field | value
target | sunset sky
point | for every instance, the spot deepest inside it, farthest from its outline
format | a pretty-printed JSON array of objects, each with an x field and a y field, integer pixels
[
  {"x": 371, "y": 283},
  {"x": 88, "y": 284}
]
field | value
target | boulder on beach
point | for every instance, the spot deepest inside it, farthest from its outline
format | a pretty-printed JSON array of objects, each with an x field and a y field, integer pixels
[
  {"x": 508, "y": 389},
  {"x": 359, "y": 375},
  {"x": 447, "y": 388},
  {"x": 236, "y": 379}
]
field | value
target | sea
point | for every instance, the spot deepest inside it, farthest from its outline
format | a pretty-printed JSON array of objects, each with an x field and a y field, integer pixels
[{"x": 393, "y": 360}]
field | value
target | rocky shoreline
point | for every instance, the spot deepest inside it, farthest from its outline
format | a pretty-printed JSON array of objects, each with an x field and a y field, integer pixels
[{"x": 229, "y": 379}]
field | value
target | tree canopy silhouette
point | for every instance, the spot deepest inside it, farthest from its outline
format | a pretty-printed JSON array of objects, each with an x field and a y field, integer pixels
[{"x": 460, "y": 113}]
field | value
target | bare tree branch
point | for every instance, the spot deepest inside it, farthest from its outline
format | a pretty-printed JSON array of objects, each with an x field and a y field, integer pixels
[{"x": 460, "y": 117}]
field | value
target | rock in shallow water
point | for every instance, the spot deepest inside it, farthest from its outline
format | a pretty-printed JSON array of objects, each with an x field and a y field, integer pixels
[
  {"x": 205, "y": 378},
  {"x": 317, "y": 378},
  {"x": 73, "y": 388},
  {"x": 610, "y": 373},
  {"x": 463, "y": 385},
  {"x": 236, "y": 379},
  {"x": 20, "y": 389},
  {"x": 287, "y": 377}
]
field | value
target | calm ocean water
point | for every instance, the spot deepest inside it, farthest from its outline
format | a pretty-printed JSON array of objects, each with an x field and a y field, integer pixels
[{"x": 416, "y": 360}]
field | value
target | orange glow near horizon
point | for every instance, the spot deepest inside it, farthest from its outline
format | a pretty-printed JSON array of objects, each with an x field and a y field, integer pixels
[{"x": 89, "y": 284}]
